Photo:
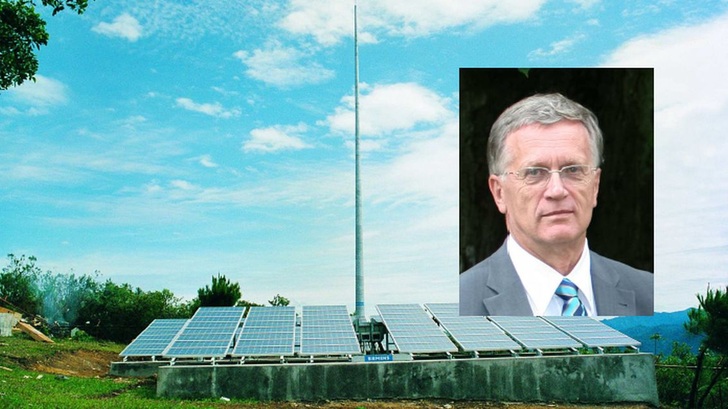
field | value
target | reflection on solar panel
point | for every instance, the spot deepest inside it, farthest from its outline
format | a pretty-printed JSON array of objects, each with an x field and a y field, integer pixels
[
  {"x": 209, "y": 333},
  {"x": 441, "y": 309},
  {"x": 155, "y": 338},
  {"x": 472, "y": 333},
  {"x": 592, "y": 333},
  {"x": 534, "y": 333},
  {"x": 327, "y": 330},
  {"x": 412, "y": 329},
  {"x": 267, "y": 331}
]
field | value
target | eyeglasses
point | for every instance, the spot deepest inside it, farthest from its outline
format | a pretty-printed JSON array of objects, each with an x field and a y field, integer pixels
[{"x": 574, "y": 174}]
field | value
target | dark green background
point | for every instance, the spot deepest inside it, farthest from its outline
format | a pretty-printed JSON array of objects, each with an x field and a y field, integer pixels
[{"x": 621, "y": 98}]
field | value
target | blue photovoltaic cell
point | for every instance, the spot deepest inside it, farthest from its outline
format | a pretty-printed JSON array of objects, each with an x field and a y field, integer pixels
[
  {"x": 412, "y": 329},
  {"x": 155, "y": 338},
  {"x": 592, "y": 333},
  {"x": 267, "y": 331},
  {"x": 208, "y": 334},
  {"x": 534, "y": 333},
  {"x": 327, "y": 330},
  {"x": 472, "y": 333}
]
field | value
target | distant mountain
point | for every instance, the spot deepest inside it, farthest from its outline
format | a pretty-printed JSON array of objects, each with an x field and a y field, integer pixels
[{"x": 668, "y": 324}]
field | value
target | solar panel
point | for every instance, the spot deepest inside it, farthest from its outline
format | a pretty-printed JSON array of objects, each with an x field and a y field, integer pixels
[
  {"x": 534, "y": 333},
  {"x": 327, "y": 330},
  {"x": 209, "y": 333},
  {"x": 412, "y": 329},
  {"x": 441, "y": 309},
  {"x": 267, "y": 331},
  {"x": 472, "y": 333},
  {"x": 592, "y": 333},
  {"x": 154, "y": 339}
]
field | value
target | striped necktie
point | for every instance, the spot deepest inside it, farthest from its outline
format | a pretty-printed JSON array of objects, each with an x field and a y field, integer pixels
[{"x": 569, "y": 292}]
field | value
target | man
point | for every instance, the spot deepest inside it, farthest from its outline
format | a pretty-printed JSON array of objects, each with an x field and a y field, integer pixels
[{"x": 544, "y": 154}]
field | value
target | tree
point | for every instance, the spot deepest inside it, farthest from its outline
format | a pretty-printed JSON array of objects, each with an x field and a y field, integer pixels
[
  {"x": 22, "y": 32},
  {"x": 279, "y": 300},
  {"x": 18, "y": 285},
  {"x": 120, "y": 312},
  {"x": 223, "y": 293},
  {"x": 656, "y": 337},
  {"x": 711, "y": 320}
]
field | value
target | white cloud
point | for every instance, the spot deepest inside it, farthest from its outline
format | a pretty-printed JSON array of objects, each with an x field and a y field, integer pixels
[
  {"x": 206, "y": 161},
  {"x": 42, "y": 93},
  {"x": 124, "y": 26},
  {"x": 384, "y": 109},
  {"x": 276, "y": 138},
  {"x": 216, "y": 109},
  {"x": 182, "y": 184},
  {"x": 282, "y": 66},
  {"x": 691, "y": 120},
  {"x": 557, "y": 47},
  {"x": 329, "y": 22}
]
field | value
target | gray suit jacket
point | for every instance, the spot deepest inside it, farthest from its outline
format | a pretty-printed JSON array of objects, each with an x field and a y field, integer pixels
[{"x": 492, "y": 287}]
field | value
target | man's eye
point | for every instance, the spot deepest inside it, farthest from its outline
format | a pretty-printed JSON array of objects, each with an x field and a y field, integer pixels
[
  {"x": 571, "y": 169},
  {"x": 533, "y": 172}
]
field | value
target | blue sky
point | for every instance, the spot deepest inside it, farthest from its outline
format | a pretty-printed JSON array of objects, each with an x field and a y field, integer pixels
[{"x": 165, "y": 141}]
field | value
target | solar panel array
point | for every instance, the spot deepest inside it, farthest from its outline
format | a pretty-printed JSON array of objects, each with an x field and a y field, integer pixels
[
  {"x": 216, "y": 332},
  {"x": 472, "y": 333},
  {"x": 327, "y": 330},
  {"x": 592, "y": 333},
  {"x": 412, "y": 329},
  {"x": 268, "y": 331},
  {"x": 534, "y": 333},
  {"x": 155, "y": 338},
  {"x": 209, "y": 333}
]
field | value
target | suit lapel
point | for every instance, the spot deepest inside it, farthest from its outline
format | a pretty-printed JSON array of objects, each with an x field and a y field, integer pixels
[
  {"x": 507, "y": 295},
  {"x": 610, "y": 297}
]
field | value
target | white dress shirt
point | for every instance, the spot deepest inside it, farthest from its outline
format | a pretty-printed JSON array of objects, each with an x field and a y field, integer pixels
[{"x": 541, "y": 281}]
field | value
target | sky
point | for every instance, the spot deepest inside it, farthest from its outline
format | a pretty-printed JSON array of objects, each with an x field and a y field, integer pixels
[{"x": 165, "y": 142}]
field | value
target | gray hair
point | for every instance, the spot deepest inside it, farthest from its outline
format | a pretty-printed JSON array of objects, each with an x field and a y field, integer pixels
[{"x": 544, "y": 109}]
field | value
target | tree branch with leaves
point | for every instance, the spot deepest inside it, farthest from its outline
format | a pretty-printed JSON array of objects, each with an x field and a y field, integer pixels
[{"x": 22, "y": 33}]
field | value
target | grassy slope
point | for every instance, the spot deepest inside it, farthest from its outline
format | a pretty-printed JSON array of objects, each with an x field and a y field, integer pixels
[{"x": 22, "y": 387}]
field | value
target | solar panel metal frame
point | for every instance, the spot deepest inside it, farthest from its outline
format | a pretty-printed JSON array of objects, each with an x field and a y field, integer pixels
[
  {"x": 413, "y": 331},
  {"x": 592, "y": 333},
  {"x": 267, "y": 331},
  {"x": 534, "y": 333},
  {"x": 208, "y": 334},
  {"x": 155, "y": 338},
  {"x": 472, "y": 333},
  {"x": 327, "y": 330}
]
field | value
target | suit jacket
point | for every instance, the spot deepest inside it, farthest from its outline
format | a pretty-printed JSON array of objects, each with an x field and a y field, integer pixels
[{"x": 492, "y": 287}]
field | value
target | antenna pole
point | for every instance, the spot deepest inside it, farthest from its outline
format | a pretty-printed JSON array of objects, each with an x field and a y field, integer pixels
[{"x": 359, "y": 312}]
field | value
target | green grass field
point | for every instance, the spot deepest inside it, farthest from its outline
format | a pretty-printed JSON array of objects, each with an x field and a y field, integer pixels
[{"x": 32, "y": 376}]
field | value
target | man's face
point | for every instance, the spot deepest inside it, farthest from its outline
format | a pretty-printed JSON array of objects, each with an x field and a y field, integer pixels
[{"x": 556, "y": 212}]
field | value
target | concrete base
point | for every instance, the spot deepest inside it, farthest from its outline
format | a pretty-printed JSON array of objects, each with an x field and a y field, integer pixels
[{"x": 574, "y": 379}]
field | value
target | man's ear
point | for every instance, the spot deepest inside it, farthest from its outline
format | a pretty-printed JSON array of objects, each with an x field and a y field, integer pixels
[
  {"x": 597, "y": 175},
  {"x": 495, "y": 183}
]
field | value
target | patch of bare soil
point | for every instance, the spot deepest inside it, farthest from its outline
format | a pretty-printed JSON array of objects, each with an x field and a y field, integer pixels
[{"x": 87, "y": 364}]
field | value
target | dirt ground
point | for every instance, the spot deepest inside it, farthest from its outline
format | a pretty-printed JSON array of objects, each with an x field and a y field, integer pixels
[{"x": 96, "y": 364}]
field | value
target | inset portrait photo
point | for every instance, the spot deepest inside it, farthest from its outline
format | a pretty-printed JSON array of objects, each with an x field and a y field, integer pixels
[{"x": 556, "y": 191}]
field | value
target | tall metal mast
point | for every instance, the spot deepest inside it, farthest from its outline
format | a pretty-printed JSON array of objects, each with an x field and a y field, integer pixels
[{"x": 359, "y": 312}]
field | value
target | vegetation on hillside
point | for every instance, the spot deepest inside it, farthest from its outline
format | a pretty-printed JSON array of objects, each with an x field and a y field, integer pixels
[{"x": 104, "y": 310}]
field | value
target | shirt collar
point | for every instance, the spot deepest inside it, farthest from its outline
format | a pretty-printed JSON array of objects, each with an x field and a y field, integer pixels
[{"x": 541, "y": 281}]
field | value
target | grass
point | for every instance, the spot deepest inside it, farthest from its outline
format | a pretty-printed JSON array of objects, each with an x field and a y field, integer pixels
[{"x": 22, "y": 387}]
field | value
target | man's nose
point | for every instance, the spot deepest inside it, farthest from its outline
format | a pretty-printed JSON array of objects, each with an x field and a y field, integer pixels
[{"x": 555, "y": 188}]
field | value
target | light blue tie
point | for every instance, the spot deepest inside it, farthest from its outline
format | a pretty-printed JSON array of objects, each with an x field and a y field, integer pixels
[{"x": 569, "y": 292}]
